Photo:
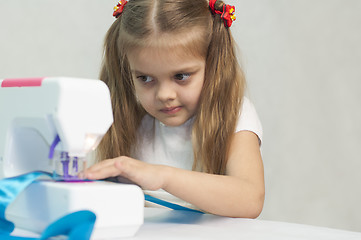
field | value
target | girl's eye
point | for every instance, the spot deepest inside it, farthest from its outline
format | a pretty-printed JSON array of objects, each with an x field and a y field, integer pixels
[
  {"x": 145, "y": 79},
  {"x": 182, "y": 76}
]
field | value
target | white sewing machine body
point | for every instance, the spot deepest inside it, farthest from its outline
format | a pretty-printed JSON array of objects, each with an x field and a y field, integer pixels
[
  {"x": 76, "y": 112},
  {"x": 119, "y": 208}
]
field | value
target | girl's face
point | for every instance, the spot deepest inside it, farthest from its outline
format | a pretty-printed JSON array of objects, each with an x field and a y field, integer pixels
[{"x": 167, "y": 82}]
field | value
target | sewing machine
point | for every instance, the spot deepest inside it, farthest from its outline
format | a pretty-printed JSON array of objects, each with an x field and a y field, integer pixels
[{"x": 51, "y": 125}]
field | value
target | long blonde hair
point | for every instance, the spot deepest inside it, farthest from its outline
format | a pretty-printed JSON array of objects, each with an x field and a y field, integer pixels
[{"x": 146, "y": 22}]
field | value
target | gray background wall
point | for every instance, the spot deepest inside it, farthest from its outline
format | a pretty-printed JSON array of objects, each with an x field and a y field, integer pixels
[{"x": 302, "y": 60}]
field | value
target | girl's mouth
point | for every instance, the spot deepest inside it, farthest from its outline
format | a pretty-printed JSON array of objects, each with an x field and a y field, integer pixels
[{"x": 171, "y": 110}]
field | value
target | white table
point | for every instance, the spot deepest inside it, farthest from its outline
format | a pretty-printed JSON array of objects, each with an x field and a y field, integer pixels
[{"x": 166, "y": 224}]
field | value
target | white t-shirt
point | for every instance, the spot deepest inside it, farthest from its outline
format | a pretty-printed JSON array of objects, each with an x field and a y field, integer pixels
[{"x": 172, "y": 146}]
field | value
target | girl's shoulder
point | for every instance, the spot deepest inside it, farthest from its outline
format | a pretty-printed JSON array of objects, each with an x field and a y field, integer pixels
[{"x": 249, "y": 120}]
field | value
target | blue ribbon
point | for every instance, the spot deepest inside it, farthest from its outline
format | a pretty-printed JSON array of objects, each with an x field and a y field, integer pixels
[
  {"x": 168, "y": 204},
  {"x": 77, "y": 226}
]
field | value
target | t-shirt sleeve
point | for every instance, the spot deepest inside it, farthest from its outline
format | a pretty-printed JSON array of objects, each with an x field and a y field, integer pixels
[{"x": 248, "y": 119}]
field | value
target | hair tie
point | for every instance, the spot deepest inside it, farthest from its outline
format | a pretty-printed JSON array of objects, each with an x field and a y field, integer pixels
[
  {"x": 118, "y": 9},
  {"x": 228, "y": 14}
]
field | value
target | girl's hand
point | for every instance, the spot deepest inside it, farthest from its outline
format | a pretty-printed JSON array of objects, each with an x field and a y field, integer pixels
[{"x": 148, "y": 176}]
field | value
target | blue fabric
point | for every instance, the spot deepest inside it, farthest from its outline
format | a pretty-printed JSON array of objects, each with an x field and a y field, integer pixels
[
  {"x": 77, "y": 226},
  {"x": 9, "y": 190}
]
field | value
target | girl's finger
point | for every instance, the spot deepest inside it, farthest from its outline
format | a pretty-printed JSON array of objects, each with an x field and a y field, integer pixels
[
  {"x": 105, "y": 168},
  {"x": 102, "y": 164},
  {"x": 106, "y": 172}
]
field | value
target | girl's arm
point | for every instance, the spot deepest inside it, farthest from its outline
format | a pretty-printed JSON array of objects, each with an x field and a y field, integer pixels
[{"x": 239, "y": 193}]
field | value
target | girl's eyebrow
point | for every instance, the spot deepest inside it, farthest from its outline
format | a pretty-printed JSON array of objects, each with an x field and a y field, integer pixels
[
  {"x": 137, "y": 72},
  {"x": 190, "y": 69}
]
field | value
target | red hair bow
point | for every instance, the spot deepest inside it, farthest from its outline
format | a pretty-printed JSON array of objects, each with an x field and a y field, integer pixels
[
  {"x": 118, "y": 9},
  {"x": 228, "y": 14}
]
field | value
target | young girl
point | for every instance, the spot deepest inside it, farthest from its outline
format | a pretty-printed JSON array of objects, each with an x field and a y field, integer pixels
[{"x": 183, "y": 129}]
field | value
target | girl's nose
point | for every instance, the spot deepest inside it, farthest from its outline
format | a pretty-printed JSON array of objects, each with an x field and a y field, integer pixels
[{"x": 166, "y": 92}]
